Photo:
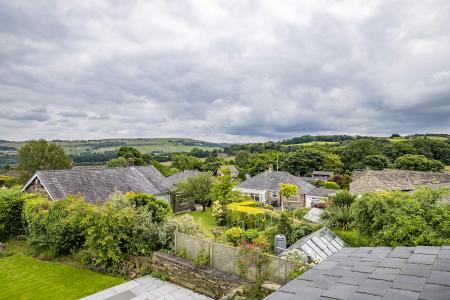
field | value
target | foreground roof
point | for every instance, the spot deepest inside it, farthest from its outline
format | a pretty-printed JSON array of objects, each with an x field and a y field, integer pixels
[
  {"x": 375, "y": 273},
  {"x": 99, "y": 183},
  {"x": 396, "y": 180},
  {"x": 270, "y": 180}
]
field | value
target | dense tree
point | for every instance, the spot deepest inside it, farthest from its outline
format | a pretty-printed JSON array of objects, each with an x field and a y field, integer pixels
[
  {"x": 403, "y": 219},
  {"x": 375, "y": 162},
  {"x": 197, "y": 188},
  {"x": 185, "y": 162},
  {"x": 40, "y": 155},
  {"x": 303, "y": 162},
  {"x": 333, "y": 163},
  {"x": 131, "y": 154},
  {"x": 433, "y": 149},
  {"x": 212, "y": 163},
  {"x": 287, "y": 190},
  {"x": 397, "y": 149},
  {"x": 118, "y": 162},
  {"x": 222, "y": 189},
  {"x": 242, "y": 159},
  {"x": 261, "y": 162},
  {"x": 417, "y": 163},
  {"x": 354, "y": 153}
]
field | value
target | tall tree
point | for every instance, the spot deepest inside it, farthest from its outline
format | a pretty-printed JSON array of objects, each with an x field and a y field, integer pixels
[
  {"x": 40, "y": 155},
  {"x": 303, "y": 162},
  {"x": 197, "y": 188},
  {"x": 417, "y": 163}
]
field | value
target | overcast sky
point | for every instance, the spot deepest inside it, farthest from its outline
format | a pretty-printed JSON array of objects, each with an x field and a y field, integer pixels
[{"x": 223, "y": 70}]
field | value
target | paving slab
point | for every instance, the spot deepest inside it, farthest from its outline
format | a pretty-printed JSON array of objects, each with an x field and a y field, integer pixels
[{"x": 147, "y": 288}]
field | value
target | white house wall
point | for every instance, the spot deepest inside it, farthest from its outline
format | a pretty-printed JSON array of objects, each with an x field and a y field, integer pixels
[{"x": 262, "y": 193}]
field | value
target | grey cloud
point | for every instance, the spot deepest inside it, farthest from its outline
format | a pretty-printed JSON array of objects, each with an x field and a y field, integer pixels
[{"x": 223, "y": 71}]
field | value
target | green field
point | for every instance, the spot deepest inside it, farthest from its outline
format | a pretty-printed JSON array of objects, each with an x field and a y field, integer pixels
[
  {"x": 312, "y": 144},
  {"x": 24, "y": 277},
  {"x": 146, "y": 145},
  {"x": 403, "y": 139}
]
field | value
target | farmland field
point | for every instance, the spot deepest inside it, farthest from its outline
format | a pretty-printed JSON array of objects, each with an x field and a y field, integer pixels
[
  {"x": 146, "y": 145},
  {"x": 431, "y": 137},
  {"x": 24, "y": 277}
]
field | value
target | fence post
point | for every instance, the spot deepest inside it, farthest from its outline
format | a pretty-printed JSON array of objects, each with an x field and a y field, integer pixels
[
  {"x": 175, "y": 241},
  {"x": 211, "y": 253}
]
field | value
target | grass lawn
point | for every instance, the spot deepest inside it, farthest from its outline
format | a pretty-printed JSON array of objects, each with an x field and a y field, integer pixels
[
  {"x": 204, "y": 219},
  {"x": 24, "y": 277}
]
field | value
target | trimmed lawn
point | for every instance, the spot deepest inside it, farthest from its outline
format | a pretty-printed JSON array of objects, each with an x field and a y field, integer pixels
[
  {"x": 24, "y": 277},
  {"x": 204, "y": 219}
]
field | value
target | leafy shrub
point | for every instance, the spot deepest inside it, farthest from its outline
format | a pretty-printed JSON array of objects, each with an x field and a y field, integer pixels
[
  {"x": 159, "y": 209},
  {"x": 299, "y": 213},
  {"x": 353, "y": 237},
  {"x": 11, "y": 203},
  {"x": 202, "y": 259},
  {"x": 301, "y": 262},
  {"x": 402, "y": 219},
  {"x": 57, "y": 228},
  {"x": 418, "y": 163},
  {"x": 330, "y": 185},
  {"x": 250, "y": 234},
  {"x": 299, "y": 231},
  {"x": 8, "y": 181},
  {"x": 186, "y": 224},
  {"x": 234, "y": 235}
]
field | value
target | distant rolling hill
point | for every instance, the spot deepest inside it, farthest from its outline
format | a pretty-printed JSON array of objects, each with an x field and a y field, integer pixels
[{"x": 145, "y": 145}]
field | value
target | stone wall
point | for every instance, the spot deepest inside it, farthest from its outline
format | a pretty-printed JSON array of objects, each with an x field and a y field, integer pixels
[{"x": 207, "y": 281}]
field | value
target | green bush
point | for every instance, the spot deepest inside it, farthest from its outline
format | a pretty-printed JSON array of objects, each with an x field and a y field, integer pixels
[
  {"x": 159, "y": 209},
  {"x": 11, "y": 203},
  {"x": 8, "y": 181},
  {"x": 353, "y": 238},
  {"x": 299, "y": 213},
  {"x": 402, "y": 219},
  {"x": 234, "y": 235},
  {"x": 202, "y": 259},
  {"x": 250, "y": 234},
  {"x": 330, "y": 185},
  {"x": 57, "y": 228}
]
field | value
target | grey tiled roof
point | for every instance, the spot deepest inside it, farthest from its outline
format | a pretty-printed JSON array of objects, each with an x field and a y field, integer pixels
[
  {"x": 99, "y": 183},
  {"x": 375, "y": 273},
  {"x": 322, "y": 192},
  {"x": 183, "y": 175},
  {"x": 270, "y": 180},
  {"x": 320, "y": 244},
  {"x": 396, "y": 180}
]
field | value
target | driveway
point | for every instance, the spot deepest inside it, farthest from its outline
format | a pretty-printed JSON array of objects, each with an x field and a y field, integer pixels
[{"x": 146, "y": 288}]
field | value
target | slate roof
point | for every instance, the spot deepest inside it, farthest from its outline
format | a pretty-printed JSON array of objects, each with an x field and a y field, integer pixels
[
  {"x": 396, "y": 180},
  {"x": 270, "y": 180},
  {"x": 322, "y": 174},
  {"x": 320, "y": 244},
  {"x": 233, "y": 169},
  {"x": 99, "y": 183},
  {"x": 375, "y": 273},
  {"x": 183, "y": 175},
  {"x": 322, "y": 192}
]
